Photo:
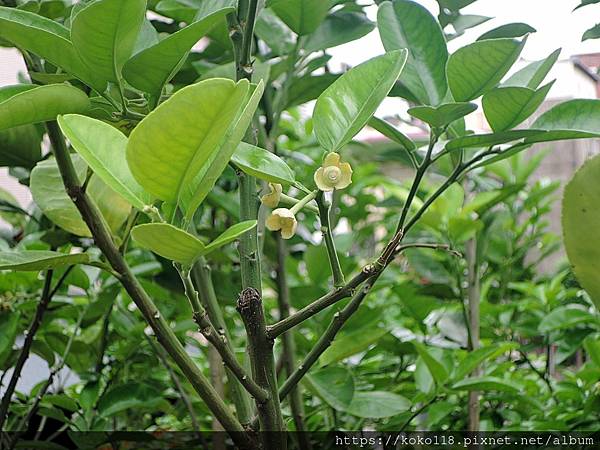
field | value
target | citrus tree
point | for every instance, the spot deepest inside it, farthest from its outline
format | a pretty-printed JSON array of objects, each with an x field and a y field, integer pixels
[{"x": 176, "y": 128}]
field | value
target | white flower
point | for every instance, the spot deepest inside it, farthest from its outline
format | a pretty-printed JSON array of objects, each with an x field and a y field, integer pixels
[
  {"x": 273, "y": 197},
  {"x": 333, "y": 174},
  {"x": 282, "y": 219}
]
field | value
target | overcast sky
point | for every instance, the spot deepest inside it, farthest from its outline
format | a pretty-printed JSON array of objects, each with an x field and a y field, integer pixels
[{"x": 556, "y": 24}]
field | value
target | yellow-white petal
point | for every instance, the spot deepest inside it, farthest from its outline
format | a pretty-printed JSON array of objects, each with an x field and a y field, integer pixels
[
  {"x": 346, "y": 177},
  {"x": 321, "y": 181},
  {"x": 332, "y": 159}
]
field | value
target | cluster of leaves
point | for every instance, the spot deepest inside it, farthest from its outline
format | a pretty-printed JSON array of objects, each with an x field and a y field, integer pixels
[{"x": 156, "y": 131}]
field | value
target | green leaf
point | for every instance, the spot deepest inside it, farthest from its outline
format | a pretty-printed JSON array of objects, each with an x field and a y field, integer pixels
[
  {"x": 49, "y": 194},
  {"x": 507, "y": 107},
  {"x": 442, "y": 115},
  {"x": 302, "y": 16},
  {"x": 592, "y": 348},
  {"x": 585, "y": 3},
  {"x": 436, "y": 368},
  {"x": 308, "y": 88},
  {"x": 150, "y": 69},
  {"x": 104, "y": 34},
  {"x": 169, "y": 242},
  {"x": 230, "y": 235},
  {"x": 262, "y": 164},
  {"x": 476, "y": 68},
  {"x": 48, "y": 39},
  {"x": 392, "y": 133},
  {"x": 580, "y": 216},
  {"x": 486, "y": 140},
  {"x": 9, "y": 325},
  {"x": 36, "y": 260},
  {"x": 177, "y": 152},
  {"x": 377, "y": 404},
  {"x": 532, "y": 75},
  {"x": 475, "y": 358},
  {"x": 510, "y": 30},
  {"x": 339, "y": 28},
  {"x": 406, "y": 24},
  {"x": 565, "y": 317},
  {"x": 41, "y": 104},
  {"x": 592, "y": 33},
  {"x": 487, "y": 384},
  {"x": 351, "y": 343},
  {"x": 103, "y": 148},
  {"x": 20, "y": 146},
  {"x": 347, "y": 105},
  {"x": 271, "y": 29},
  {"x": 128, "y": 396},
  {"x": 573, "y": 119},
  {"x": 335, "y": 385}
]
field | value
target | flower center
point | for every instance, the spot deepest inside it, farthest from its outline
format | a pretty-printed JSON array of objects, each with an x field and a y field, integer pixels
[{"x": 332, "y": 174}]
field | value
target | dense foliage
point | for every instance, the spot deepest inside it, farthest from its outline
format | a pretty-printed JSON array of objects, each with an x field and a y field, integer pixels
[{"x": 390, "y": 286}]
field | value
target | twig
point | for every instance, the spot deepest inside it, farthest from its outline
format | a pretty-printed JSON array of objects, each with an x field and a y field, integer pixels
[
  {"x": 219, "y": 341},
  {"x": 203, "y": 281}
]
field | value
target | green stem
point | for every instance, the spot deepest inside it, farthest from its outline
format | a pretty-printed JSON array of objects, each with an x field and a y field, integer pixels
[
  {"x": 248, "y": 248},
  {"x": 291, "y": 201},
  {"x": 218, "y": 340},
  {"x": 303, "y": 202},
  {"x": 334, "y": 262},
  {"x": 202, "y": 279},
  {"x": 93, "y": 218}
]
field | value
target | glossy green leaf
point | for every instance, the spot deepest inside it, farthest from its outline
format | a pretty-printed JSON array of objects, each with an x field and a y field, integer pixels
[
  {"x": 48, "y": 39},
  {"x": 477, "y": 357},
  {"x": 262, "y": 164},
  {"x": 442, "y": 115},
  {"x": 510, "y": 30},
  {"x": 339, "y": 28},
  {"x": 347, "y": 105},
  {"x": 592, "y": 348},
  {"x": 103, "y": 148},
  {"x": 573, "y": 119},
  {"x": 276, "y": 34},
  {"x": 128, "y": 396},
  {"x": 36, "y": 260},
  {"x": 486, "y": 140},
  {"x": 436, "y": 368},
  {"x": 178, "y": 151},
  {"x": 532, "y": 75},
  {"x": 41, "y": 104},
  {"x": 377, "y": 404},
  {"x": 49, "y": 194},
  {"x": 150, "y": 69},
  {"x": 487, "y": 384},
  {"x": 230, "y": 235},
  {"x": 392, "y": 133},
  {"x": 169, "y": 242},
  {"x": 581, "y": 215},
  {"x": 406, "y": 24},
  {"x": 566, "y": 316},
  {"x": 104, "y": 34},
  {"x": 335, "y": 385},
  {"x": 302, "y": 16},
  {"x": 507, "y": 107},
  {"x": 478, "y": 67}
]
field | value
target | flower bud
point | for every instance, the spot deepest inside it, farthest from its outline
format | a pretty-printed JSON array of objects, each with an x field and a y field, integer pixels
[
  {"x": 273, "y": 197},
  {"x": 333, "y": 174},
  {"x": 282, "y": 219}
]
